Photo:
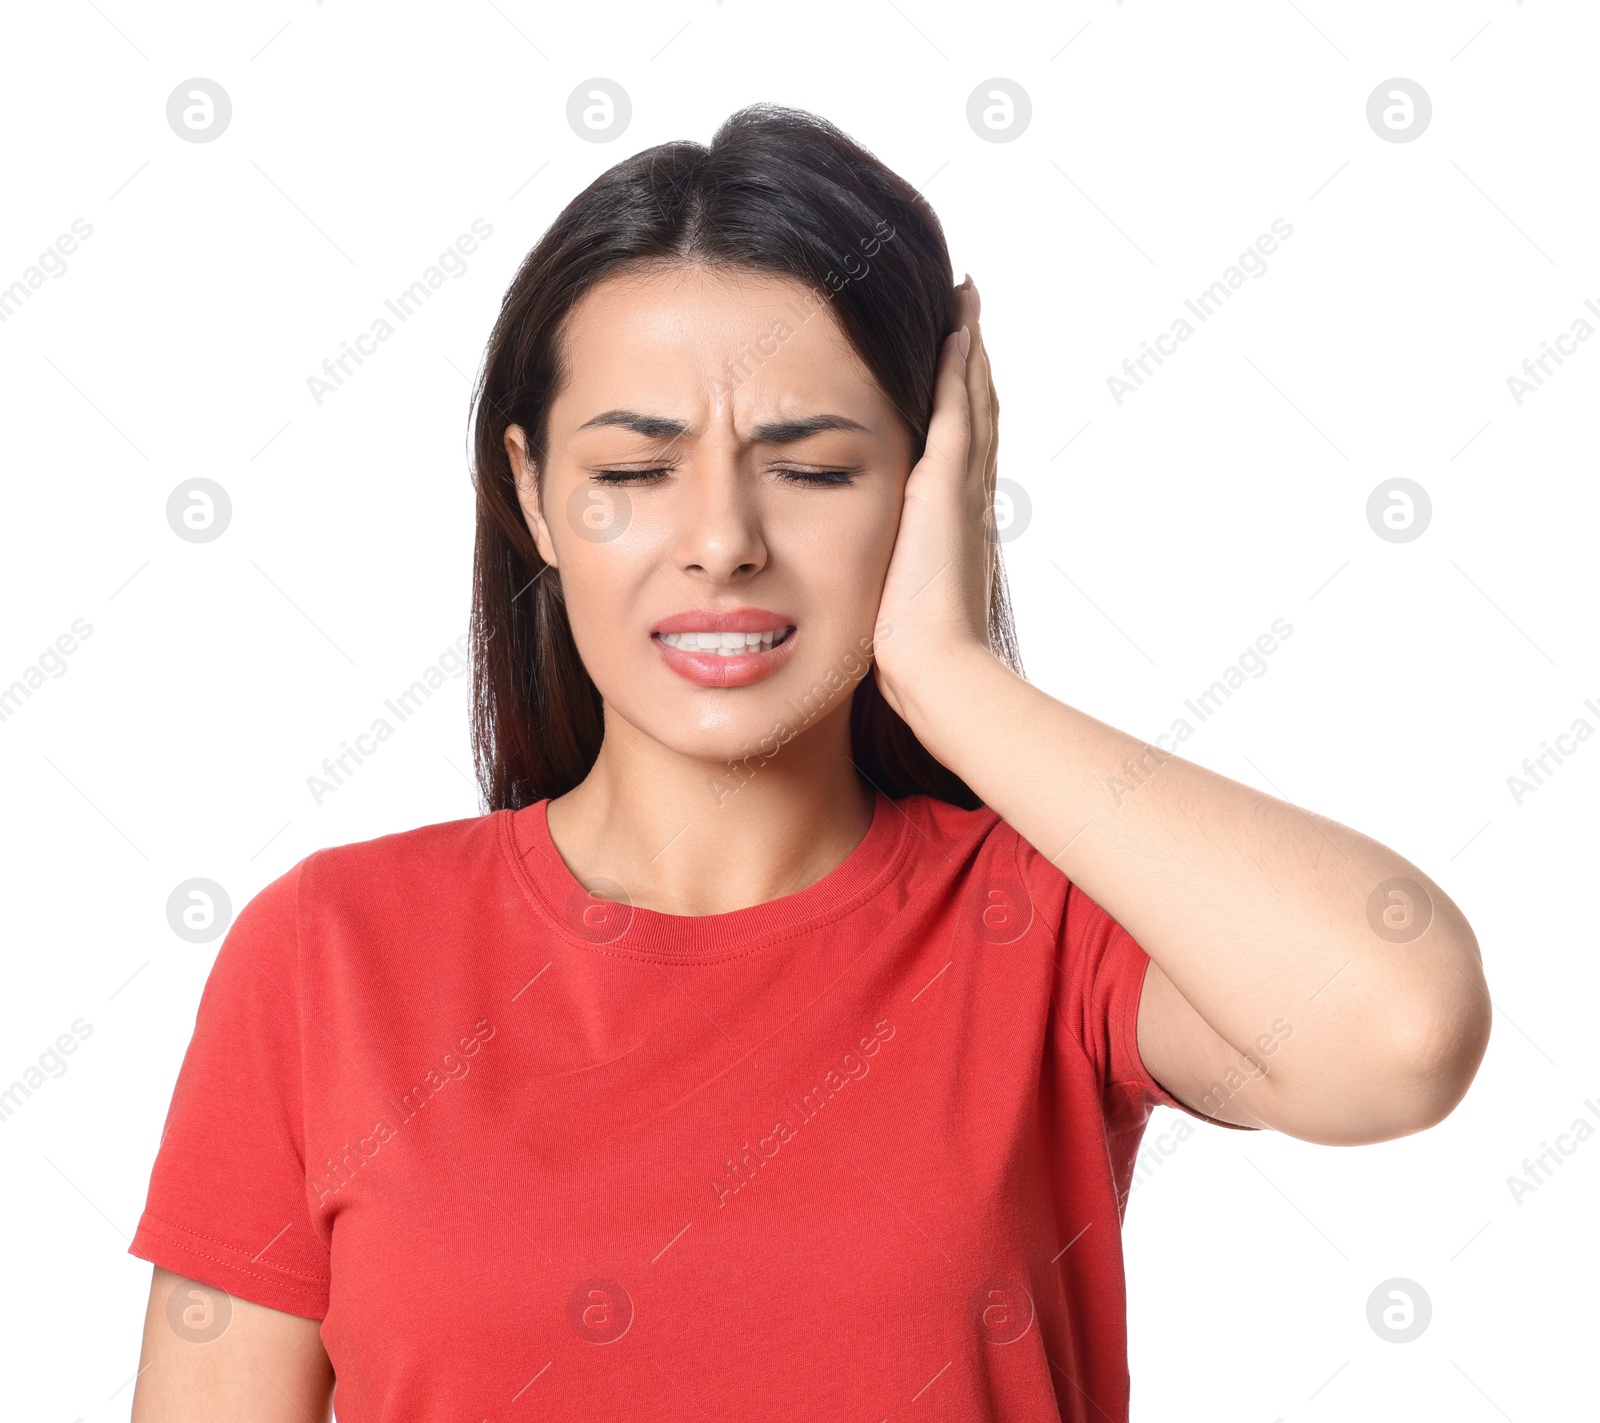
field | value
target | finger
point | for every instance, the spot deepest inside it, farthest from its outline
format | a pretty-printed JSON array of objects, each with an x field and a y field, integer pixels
[
  {"x": 985, "y": 420},
  {"x": 990, "y": 407},
  {"x": 949, "y": 430},
  {"x": 980, "y": 388},
  {"x": 987, "y": 366}
]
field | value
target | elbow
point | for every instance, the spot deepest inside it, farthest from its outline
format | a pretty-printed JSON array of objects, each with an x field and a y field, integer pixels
[
  {"x": 1405, "y": 1068},
  {"x": 1437, "y": 1053}
]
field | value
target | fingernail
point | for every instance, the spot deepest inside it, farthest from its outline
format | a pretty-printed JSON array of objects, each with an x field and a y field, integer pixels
[
  {"x": 977, "y": 301},
  {"x": 964, "y": 342}
]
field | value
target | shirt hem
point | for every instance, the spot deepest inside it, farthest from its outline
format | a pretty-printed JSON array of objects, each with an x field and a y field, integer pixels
[{"x": 200, "y": 1258}]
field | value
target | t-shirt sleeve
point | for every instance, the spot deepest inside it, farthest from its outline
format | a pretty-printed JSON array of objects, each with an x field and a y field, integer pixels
[
  {"x": 228, "y": 1203},
  {"x": 1101, "y": 971}
]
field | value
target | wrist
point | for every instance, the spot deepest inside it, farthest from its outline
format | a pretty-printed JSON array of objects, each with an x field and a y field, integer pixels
[{"x": 940, "y": 692}]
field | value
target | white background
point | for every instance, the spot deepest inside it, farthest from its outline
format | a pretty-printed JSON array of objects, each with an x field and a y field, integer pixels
[{"x": 1173, "y": 529}]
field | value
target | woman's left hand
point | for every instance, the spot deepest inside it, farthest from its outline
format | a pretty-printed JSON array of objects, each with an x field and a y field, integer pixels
[{"x": 935, "y": 601}]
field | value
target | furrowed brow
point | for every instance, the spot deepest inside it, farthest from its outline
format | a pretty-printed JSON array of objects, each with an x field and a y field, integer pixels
[
  {"x": 788, "y": 432},
  {"x": 773, "y": 432},
  {"x": 656, "y": 427}
]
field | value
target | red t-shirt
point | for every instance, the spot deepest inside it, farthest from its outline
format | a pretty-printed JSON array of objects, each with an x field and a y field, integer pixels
[{"x": 861, "y": 1152}]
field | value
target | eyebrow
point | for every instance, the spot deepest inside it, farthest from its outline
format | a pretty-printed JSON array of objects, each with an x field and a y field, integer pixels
[{"x": 774, "y": 432}]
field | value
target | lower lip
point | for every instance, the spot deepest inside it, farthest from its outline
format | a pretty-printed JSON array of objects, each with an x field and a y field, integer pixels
[{"x": 711, "y": 669}]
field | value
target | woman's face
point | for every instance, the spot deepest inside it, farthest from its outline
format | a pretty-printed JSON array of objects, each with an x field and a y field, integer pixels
[{"x": 721, "y": 468}]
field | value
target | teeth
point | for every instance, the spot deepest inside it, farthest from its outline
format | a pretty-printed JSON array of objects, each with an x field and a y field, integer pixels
[{"x": 724, "y": 644}]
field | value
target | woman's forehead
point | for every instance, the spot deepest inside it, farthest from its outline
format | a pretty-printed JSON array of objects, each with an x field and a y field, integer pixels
[
  {"x": 699, "y": 305},
  {"x": 691, "y": 344}
]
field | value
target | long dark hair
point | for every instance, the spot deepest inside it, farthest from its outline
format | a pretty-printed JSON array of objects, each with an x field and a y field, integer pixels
[{"x": 781, "y": 191}]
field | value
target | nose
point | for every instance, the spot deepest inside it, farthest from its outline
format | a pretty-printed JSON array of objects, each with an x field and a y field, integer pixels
[{"x": 719, "y": 533}]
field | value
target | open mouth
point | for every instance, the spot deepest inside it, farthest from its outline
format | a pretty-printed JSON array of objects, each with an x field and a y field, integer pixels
[
  {"x": 755, "y": 647},
  {"x": 726, "y": 644}
]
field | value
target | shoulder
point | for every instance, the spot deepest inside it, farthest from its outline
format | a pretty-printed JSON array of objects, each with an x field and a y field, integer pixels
[
  {"x": 440, "y": 860},
  {"x": 947, "y": 822},
  {"x": 418, "y": 857},
  {"x": 404, "y": 850},
  {"x": 980, "y": 844},
  {"x": 951, "y": 833},
  {"x": 351, "y": 907}
]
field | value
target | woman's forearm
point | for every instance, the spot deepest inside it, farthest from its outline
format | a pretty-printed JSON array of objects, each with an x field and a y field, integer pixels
[{"x": 1256, "y": 910}]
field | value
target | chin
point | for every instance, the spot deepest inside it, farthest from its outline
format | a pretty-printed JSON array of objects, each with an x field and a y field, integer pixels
[
  {"x": 755, "y": 731},
  {"x": 736, "y": 731}
]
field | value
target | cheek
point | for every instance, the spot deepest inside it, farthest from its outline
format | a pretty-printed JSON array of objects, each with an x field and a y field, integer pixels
[
  {"x": 846, "y": 555},
  {"x": 599, "y": 532},
  {"x": 601, "y": 580},
  {"x": 582, "y": 515}
]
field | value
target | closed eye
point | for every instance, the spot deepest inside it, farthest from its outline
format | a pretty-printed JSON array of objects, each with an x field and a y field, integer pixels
[
  {"x": 812, "y": 478},
  {"x": 817, "y": 477},
  {"x": 625, "y": 476}
]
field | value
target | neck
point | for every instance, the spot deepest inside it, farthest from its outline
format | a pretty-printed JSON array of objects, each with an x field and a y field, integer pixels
[{"x": 687, "y": 835}]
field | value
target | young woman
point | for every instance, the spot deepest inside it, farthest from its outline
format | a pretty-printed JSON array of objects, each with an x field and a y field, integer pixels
[{"x": 779, "y": 1043}]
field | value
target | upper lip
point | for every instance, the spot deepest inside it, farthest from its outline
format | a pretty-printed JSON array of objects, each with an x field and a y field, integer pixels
[{"x": 732, "y": 620}]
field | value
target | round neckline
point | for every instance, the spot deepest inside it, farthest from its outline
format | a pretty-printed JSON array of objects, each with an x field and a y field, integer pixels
[{"x": 699, "y": 938}]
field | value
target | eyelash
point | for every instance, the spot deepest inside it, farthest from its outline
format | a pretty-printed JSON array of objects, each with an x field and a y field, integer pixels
[{"x": 813, "y": 479}]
